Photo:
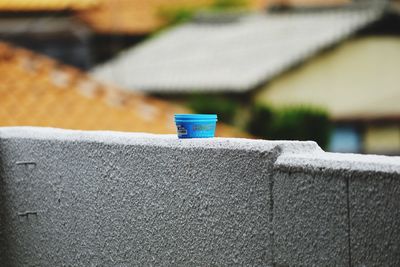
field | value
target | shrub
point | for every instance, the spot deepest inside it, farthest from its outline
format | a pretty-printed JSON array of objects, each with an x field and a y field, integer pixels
[
  {"x": 224, "y": 107},
  {"x": 260, "y": 121},
  {"x": 229, "y": 4},
  {"x": 177, "y": 15},
  {"x": 293, "y": 123}
]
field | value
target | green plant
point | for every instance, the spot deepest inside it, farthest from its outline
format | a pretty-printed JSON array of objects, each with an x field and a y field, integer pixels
[
  {"x": 292, "y": 123},
  {"x": 180, "y": 14},
  {"x": 260, "y": 122},
  {"x": 176, "y": 15},
  {"x": 224, "y": 107},
  {"x": 229, "y": 4}
]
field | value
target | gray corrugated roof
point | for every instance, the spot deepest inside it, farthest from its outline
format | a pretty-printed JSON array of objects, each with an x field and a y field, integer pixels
[{"x": 235, "y": 56}]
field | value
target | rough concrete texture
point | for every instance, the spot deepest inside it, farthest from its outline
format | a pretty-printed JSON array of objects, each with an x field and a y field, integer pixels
[
  {"x": 329, "y": 193},
  {"x": 79, "y": 198},
  {"x": 375, "y": 219},
  {"x": 116, "y": 199},
  {"x": 310, "y": 220}
]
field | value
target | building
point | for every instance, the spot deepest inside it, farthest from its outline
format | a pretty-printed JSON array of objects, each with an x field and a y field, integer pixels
[
  {"x": 121, "y": 24},
  {"x": 38, "y": 91},
  {"x": 86, "y": 33},
  {"x": 48, "y": 27},
  {"x": 362, "y": 99},
  {"x": 137, "y": 17},
  {"x": 254, "y": 57}
]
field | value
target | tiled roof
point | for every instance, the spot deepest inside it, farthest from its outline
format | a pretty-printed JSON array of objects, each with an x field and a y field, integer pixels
[
  {"x": 235, "y": 56},
  {"x": 138, "y": 16},
  {"x": 37, "y": 91},
  {"x": 45, "y": 5}
]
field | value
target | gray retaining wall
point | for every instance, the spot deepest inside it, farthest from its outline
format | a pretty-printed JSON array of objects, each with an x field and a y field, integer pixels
[{"x": 72, "y": 198}]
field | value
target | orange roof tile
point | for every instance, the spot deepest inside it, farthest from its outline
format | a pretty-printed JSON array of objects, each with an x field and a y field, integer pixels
[
  {"x": 45, "y": 5},
  {"x": 38, "y": 91},
  {"x": 138, "y": 16}
]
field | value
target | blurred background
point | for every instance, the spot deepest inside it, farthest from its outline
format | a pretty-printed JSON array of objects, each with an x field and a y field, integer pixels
[{"x": 322, "y": 70}]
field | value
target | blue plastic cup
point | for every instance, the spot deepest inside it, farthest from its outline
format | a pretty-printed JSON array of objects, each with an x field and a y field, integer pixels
[{"x": 196, "y": 125}]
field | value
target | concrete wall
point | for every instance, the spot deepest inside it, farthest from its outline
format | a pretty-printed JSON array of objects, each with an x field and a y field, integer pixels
[{"x": 70, "y": 198}]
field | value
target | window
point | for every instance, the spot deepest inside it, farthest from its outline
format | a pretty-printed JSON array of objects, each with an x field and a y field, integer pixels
[{"x": 346, "y": 139}]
